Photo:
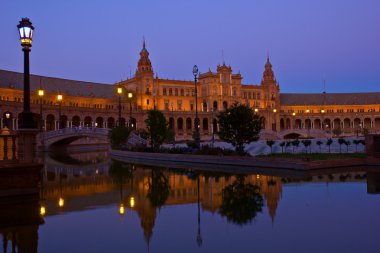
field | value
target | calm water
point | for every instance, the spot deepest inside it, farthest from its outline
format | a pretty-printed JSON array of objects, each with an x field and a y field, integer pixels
[{"x": 92, "y": 204}]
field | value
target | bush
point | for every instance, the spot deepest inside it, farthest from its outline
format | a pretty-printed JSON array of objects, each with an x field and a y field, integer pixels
[{"x": 118, "y": 136}]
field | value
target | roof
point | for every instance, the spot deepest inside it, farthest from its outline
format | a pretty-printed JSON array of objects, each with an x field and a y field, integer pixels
[
  {"x": 365, "y": 98},
  {"x": 15, "y": 80}
]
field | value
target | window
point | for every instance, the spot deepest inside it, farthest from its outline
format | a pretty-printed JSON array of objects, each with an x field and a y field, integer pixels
[
  {"x": 147, "y": 101},
  {"x": 350, "y": 110},
  {"x": 170, "y": 92},
  {"x": 176, "y": 92},
  {"x": 258, "y": 95},
  {"x": 166, "y": 102},
  {"x": 249, "y": 95},
  {"x": 182, "y": 92},
  {"x": 330, "y": 110},
  {"x": 253, "y": 95},
  {"x": 339, "y": 110},
  {"x": 164, "y": 91}
]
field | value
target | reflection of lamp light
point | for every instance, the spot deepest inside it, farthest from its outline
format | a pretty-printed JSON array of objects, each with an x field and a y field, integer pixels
[
  {"x": 121, "y": 209},
  {"x": 61, "y": 202},
  {"x": 258, "y": 176},
  {"x": 132, "y": 202},
  {"x": 42, "y": 210}
]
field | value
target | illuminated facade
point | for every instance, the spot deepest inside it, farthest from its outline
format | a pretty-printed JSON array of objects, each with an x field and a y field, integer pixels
[{"x": 86, "y": 104}]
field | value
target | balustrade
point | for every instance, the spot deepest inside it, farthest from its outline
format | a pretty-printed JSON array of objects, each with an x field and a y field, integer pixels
[{"x": 8, "y": 147}]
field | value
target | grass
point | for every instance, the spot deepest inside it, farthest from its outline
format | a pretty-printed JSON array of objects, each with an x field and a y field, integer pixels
[{"x": 316, "y": 156}]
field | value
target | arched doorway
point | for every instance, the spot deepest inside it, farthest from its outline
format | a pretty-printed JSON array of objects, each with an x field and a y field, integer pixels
[
  {"x": 8, "y": 120},
  {"x": 87, "y": 121},
  {"x": 307, "y": 124},
  {"x": 282, "y": 124},
  {"x": 317, "y": 124},
  {"x": 298, "y": 124},
  {"x": 367, "y": 123},
  {"x": 188, "y": 124},
  {"x": 63, "y": 121},
  {"x": 215, "y": 106},
  {"x": 171, "y": 123},
  {"x": 50, "y": 122},
  {"x": 99, "y": 122},
  {"x": 225, "y": 105},
  {"x": 204, "y": 106},
  {"x": 76, "y": 121},
  {"x": 346, "y": 123},
  {"x": 205, "y": 124},
  {"x": 180, "y": 124},
  {"x": 133, "y": 124},
  {"x": 110, "y": 122}
]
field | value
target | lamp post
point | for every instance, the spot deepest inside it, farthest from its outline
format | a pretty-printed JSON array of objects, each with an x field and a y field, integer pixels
[
  {"x": 130, "y": 96},
  {"x": 172, "y": 104},
  {"x": 196, "y": 122},
  {"x": 119, "y": 92},
  {"x": 41, "y": 93},
  {"x": 212, "y": 125},
  {"x": 26, "y": 29},
  {"x": 59, "y": 98}
]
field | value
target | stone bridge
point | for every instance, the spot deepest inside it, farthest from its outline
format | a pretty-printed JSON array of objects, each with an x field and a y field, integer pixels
[
  {"x": 294, "y": 134},
  {"x": 65, "y": 136}
]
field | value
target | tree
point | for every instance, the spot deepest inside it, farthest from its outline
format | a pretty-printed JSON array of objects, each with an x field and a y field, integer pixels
[
  {"x": 307, "y": 143},
  {"x": 270, "y": 143},
  {"x": 239, "y": 125},
  {"x": 159, "y": 188},
  {"x": 282, "y": 144},
  {"x": 118, "y": 136},
  {"x": 341, "y": 141},
  {"x": 157, "y": 128},
  {"x": 356, "y": 142},
  {"x": 319, "y": 143},
  {"x": 337, "y": 131},
  {"x": 241, "y": 201},
  {"x": 295, "y": 144},
  {"x": 328, "y": 143}
]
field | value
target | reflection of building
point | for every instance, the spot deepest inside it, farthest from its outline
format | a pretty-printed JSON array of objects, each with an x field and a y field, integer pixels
[{"x": 93, "y": 104}]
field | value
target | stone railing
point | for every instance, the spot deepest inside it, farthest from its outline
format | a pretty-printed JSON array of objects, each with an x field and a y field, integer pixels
[{"x": 8, "y": 146}]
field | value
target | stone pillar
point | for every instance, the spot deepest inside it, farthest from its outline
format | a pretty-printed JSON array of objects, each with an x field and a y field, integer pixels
[
  {"x": 1, "y": 123},
  {"x": 16, "y": 120},
  {"x": 26, "y": 140},
  {"x": 45, "y": 125},
  {"x": 13, "y": 124}
]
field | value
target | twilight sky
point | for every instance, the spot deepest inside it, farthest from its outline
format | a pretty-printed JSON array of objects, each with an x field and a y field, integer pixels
[{"x": 100, "y": 41}]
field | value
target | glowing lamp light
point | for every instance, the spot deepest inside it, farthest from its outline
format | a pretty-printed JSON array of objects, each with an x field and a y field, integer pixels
[
  {"x": 42, "y": 210},
  {"x": 121, "y": 209},
  {"x": 7, "y": 115},
  {"x": 256, "y": 110},
  {"x": 307, "y": 110},
  {"x": 274, "y": 110},
  {"x": 59, "y": 97},
  {"x": 130, "y": 94},
  {"x": 25, "y": 29},
  {"x": 294, "y": 114},
  {"x": 322, "y": 111},
  {"x": 61, "y": 202},
  {"x": 41, "y": 92},
  {"x": 119, "y": 90},
  {"x": 132, "y": 202}
]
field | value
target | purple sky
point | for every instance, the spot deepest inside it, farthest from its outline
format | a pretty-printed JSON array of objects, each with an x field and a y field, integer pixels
[{"x": 97, "y": 40}]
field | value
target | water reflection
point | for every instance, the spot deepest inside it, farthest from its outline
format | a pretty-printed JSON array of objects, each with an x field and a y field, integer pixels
[
  {"x": 94, "y": 181},
  {"x": 241, "y": 201}
]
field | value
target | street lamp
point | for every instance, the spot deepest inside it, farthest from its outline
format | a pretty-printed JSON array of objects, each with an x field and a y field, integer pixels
[
  {"x": 130, "y": 96},
  {"x": 41, "y": 93},
  {"x": 119, "y": 92},
  {"x": 173, "y": 124},
  {"x": 59, "y": 98},
  {"x": 197, "y": 136},
  {"x": 26, "y": 29}
]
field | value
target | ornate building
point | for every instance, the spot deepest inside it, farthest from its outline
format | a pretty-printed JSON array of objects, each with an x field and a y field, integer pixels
[{"x": 86, "y": 104}]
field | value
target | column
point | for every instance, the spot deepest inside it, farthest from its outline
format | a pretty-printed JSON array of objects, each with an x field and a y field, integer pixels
[
  {"x": 16, "y": 120},
  {"x": 1, "y": 123},
  {"x": 13, "y": 124},
  {"x": 45, "y": 125}
]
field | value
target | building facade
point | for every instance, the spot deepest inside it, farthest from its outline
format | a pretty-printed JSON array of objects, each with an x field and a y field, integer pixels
[{"x": 87, "y": 104}]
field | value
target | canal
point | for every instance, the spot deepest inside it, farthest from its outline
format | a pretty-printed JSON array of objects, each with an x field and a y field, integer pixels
[{"x": 90, "y": 203}]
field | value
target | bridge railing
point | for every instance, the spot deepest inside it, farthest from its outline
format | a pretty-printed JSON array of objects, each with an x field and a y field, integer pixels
[{"x": 75, "y": 130}]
